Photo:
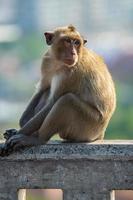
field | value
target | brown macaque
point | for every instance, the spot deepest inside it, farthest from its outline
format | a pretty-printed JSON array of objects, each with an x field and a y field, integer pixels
[{"x": 75, "y": 98}]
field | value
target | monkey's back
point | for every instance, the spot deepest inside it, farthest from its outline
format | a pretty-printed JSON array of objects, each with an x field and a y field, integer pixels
[{"x": 97, "y": 84}]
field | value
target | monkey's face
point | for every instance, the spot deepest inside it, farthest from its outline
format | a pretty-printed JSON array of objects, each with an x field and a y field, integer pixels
[
  {"x": 66, "y": 44},
  {"x": 68, "y": 49}
]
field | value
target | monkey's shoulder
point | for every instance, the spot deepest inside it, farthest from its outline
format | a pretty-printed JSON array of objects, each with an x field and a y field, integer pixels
[
  {"x": 91, "y": 60},
  {"x": 90, "y": 53},
  {"x": 46, "y": 61}
]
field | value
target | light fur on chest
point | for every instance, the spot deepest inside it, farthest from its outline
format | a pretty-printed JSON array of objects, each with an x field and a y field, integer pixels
[{"x": 56, "y": 83}]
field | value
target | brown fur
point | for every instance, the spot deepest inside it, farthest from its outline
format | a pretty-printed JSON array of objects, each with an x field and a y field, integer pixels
[
  {"x": 75, "y": 100},
  {"x": 91, "y": 81}
]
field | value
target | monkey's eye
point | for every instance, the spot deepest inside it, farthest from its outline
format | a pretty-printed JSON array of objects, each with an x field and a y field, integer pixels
[
  {"x": 68, "y": 40},
  {"x": 77, "y": 42}
]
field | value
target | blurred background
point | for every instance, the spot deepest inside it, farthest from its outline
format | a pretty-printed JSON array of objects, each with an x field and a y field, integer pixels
[{"x": 108, "y": 27}]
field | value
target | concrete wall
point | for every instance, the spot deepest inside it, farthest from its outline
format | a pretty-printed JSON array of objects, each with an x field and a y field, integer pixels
[{"x": 83, "y": 171}]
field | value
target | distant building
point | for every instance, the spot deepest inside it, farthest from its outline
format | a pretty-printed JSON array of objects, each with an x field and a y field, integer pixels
[
  {"x": 89, "y": 16},
  {"x": 26, "y": 15}
]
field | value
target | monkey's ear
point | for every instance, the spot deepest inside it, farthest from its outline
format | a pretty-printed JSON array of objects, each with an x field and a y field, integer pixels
[
  {"x": 49, "y": 37},
  {"x": 85, "y": 41},
  {"x": 71, "y": 27}
]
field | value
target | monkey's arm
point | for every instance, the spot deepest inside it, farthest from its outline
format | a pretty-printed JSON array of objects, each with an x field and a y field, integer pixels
[
  {"x": 21, "y": 138},
  {"x": 35, "y": 122},
  {"x": 27, "y": 114},
  {"x": 29, "y": 111}
]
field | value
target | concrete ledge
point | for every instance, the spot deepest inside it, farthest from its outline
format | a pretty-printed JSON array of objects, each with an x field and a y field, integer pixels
[
  {"x": 105, "y": 150},
  {"x": 84, "y": 171}
]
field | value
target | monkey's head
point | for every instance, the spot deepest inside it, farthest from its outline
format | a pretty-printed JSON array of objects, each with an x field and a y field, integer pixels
[{"x": 66, "y": 44}]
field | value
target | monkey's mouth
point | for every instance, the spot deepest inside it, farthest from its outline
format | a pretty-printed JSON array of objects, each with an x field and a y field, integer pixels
[{"x": 69, "y": 61}]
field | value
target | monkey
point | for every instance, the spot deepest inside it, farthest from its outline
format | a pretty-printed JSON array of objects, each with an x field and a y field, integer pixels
[{"x": 75, "y": 97}]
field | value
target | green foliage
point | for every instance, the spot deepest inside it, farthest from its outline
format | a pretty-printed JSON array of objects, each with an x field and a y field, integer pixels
[
  {"x": 31, "y": 197},
  {"x": 121, "y": 125},
  {"x": 31, "y": 47}
]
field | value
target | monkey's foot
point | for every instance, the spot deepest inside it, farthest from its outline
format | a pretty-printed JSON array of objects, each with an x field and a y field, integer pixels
[
  {"x": 3, "y": 150},
  {"x": 11, "y": 145},
  {"x": 17, "y": 142},
  {"x": 9, "y": 133},
  {"x": 20, "y": 141},
  {"x": 14, "y": 143}
]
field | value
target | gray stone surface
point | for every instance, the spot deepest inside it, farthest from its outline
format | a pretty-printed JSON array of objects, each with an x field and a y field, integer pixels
[{"x": 84, "y": 171}]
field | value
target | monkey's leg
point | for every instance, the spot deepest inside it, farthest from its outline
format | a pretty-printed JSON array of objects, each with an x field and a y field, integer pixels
[{"x": 68, "y": 117}]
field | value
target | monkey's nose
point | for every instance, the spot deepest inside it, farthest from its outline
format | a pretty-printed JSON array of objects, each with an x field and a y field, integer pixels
[{"x": 73, "y": 53}]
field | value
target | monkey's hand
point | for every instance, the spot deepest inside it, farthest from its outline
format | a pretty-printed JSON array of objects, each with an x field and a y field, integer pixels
[
  {"x": 19, "y": 141},
  {"x": 15, "y": 142},
  {"x": 9, "y": 133},
  {"x": 1, "y": 149}
]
